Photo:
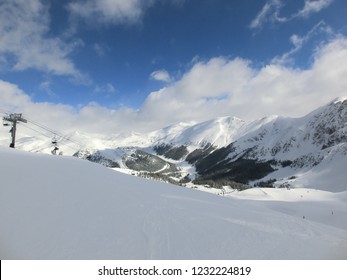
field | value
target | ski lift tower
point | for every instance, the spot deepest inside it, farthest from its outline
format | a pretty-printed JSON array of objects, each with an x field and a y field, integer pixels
[{"x": 13, "y": 119}]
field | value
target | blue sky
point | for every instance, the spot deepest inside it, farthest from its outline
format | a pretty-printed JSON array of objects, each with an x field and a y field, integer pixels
[{"x": 150, "y": 63}]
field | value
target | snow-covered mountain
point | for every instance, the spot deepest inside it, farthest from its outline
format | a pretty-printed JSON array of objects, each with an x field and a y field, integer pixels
[
  {"x": 273, "y": 151},
  {"x": 62, "y": 207},
  {"x": 67, "y": 208},
  {"x": 217, "y": 132},
  {"x": 289, "y": 149}
]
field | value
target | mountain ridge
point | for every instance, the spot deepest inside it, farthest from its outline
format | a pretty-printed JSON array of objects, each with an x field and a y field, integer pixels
[
  {"x": 271, "y": 151},
  {"x": 228, "y": 148}
]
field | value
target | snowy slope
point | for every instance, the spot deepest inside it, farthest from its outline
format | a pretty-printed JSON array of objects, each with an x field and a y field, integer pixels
[{"x": 67, "y": 208}]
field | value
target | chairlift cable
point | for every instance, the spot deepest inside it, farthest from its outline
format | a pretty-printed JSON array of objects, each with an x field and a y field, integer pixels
[
  {"x": 63, "y": 137},
  {"x": 48, "y": 136}
]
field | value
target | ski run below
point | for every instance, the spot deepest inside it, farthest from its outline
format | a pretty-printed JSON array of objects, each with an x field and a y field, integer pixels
[{"x": 67, "y": 208}]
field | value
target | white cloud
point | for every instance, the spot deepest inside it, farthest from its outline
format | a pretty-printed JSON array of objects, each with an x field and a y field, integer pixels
[
  {"x": 107, "y": 88},
  {"x": 110, "y": 11},
  {"x": 46, "y": 87},
  {"x": 222, "y": 86},
  {"x": 313, "y": 6},
  {"x": 12, "y": 97},
  {"x": 161, "y": 75},
  {"x": 299, "y": 41},
  {"x": 269, "y": 12},
  {"x": 100, "y": 49},
  {"x": 25, "y": 44},
  {"x": 272, "y": 9},
  {"x": 213, "y": 88},
  {"x": 56, "y": 116}
]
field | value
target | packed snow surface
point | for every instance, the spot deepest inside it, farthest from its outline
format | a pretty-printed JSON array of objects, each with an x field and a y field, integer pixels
[{"x": 55, "y": 207}]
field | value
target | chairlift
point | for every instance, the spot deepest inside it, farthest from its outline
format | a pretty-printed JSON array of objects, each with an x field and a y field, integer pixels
[
  {"x": 6, "y": 123},
  {"x": 54, "y": 151},
  {"x": 55, "y": 146},
  {"x": 54, "y": 141}
]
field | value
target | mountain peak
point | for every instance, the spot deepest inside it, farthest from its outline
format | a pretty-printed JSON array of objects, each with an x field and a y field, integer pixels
[{"x": 340, "y": 99}]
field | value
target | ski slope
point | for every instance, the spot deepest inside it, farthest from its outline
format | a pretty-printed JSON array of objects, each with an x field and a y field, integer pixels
[{"x": 65, "y": 208}]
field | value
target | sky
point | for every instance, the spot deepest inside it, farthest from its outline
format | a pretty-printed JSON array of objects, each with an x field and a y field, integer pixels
[{"x": 117, "y": 66}]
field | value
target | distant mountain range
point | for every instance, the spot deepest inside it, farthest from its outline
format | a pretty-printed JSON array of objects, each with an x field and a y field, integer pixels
[{"x": 310, "y": 151}]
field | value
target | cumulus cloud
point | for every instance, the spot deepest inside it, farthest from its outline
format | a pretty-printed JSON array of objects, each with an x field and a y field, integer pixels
[
  {"x": 222, "y": 86},
  {"x": 13, "y": 99},
  {"x": 110, "y": 11},
  {"x": 26, "y": 23},
  {"x": 272, "y": 9},
  {"x": 213, "y": 88},
  {"x": 161, "y": 75}
]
